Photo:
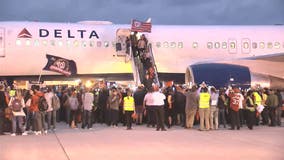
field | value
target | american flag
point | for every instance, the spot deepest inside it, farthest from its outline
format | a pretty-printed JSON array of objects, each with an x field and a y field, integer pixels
[{"x": 141, "y": 26}]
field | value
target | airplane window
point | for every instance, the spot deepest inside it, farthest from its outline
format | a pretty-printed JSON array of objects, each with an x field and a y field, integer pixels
[
  {"x": 36, "y": 42},
  {"x": 52, "y": 42},
  {"x": 60, "y": 43},
  {"x": 84, "y": 44},
  {"x": 269, "y": 45},
  {"x": 246, "y": 45},
  {"x": 254, "y": 45},
  {"x": 68, "y": 43},
  {"x": 28, "y": 42},
  {"x": 180, "y": 45},
  {"x": 158, "y": 44},
  {"x": 217, "y": 45},
  {"x": 44, "y": 42},
  {"x": 113, "y": 44},
  {"x": 277, "y": 45},
  {"x": 261, "y": 45},
  {"x": 92, "y": 43},
  {"x": 233, "y": 45},
  {"x": 99, "y": 43},
  {"x": 173, "y": 44},
  {"x": 106, "y": 44},
  {"x": 224, "y": 45},
  {"x": 209, "y": 45},
  {"x": 166, "y": 44},
  {"x": 194, "y": 45},
  {"x": 18, "y": 42},
  {"x": 75, "y": 43}
]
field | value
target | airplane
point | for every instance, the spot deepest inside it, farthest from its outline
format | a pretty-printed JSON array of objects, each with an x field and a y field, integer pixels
[{"x": 218, "y": 55}]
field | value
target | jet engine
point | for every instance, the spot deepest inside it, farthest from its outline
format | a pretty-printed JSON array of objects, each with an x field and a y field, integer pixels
[{"x": 223, "y": 75}]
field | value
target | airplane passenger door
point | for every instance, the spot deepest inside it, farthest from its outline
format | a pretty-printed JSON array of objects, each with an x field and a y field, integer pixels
[
  {"x": 232, "y": 46},
  {"x": 122, "y": 48},
  {"x": 246, "y": 45},
  {"x": 2, "y": 45}
]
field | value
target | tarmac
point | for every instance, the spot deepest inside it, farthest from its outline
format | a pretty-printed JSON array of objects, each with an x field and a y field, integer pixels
[{"x": 108, "y": 143}]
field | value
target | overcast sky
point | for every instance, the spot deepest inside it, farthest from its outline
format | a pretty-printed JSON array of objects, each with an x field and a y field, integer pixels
[{"x": 183, "y": 12}]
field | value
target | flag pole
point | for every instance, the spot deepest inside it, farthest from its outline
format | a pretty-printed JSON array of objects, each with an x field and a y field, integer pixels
[{"x": 39, "y": 77}]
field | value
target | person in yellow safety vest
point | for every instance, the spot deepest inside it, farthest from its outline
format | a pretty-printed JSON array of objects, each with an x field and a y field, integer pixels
[
  {"x": 129, "y": 109},
  {"x": 257, "y": 101},
  {"x": 265, "y": 112},
  {"x": 204, "y": 109}
]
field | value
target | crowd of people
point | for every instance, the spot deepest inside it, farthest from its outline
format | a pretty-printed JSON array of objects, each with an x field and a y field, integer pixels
[{"x": 38, "y": 110}]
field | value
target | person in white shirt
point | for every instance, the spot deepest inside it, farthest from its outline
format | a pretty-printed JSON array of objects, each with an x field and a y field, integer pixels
[
  {"x": 51, "y": 114},
  {"x": 87, "y": 102},
  {"x": 156, "y": 100},
  {"x": 213, "y": 109},
  {"x": 150, "y": 111}
]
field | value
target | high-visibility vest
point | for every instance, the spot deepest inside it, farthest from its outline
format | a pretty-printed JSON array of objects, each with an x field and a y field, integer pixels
[
  {"x": 128, "y": 103},
  {"x": 264, "y": 98},
  {"x": 204, "y": 100},
  {"x": 252, "y": 109},
  {"x": 257, "y": 98},
  {"x": 12, "y": 93}
]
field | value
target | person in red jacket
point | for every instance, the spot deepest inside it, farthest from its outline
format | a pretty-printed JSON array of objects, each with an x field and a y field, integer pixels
[
  {"x": 235, "y": 97},
  {"x": 37, "y": 116}
]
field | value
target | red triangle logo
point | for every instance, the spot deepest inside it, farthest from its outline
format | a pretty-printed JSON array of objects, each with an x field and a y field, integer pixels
[{"x": 24, "y": 34}]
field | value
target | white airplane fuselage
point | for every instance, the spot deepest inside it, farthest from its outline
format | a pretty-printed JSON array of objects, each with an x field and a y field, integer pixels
[{"x": 92, "y": 47}]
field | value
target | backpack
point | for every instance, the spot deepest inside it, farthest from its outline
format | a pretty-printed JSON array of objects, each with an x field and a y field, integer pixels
[
  {"x": 16, "y": 105},
  {"x": 55, "y": 103},
  {"x": 73, "y": 101},
  {"x": 42, "y": 104}
]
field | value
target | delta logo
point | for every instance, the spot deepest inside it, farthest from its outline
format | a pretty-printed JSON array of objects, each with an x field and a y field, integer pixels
[{"x": 24, "y": 34}]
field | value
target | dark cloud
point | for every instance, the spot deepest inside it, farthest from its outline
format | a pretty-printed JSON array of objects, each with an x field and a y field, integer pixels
[{"x": 203, "y": 12}]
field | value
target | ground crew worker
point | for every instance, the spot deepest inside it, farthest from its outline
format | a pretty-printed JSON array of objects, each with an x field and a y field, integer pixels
[
  {"x": 250, "y": 110},
  {"x": 257, "y": 101},
  {"x": 129, "y": 109},
  {"x": 204, "y": 109}
]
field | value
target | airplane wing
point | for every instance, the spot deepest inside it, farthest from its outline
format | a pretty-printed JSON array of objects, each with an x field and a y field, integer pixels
[{"x": 278, "y": 57}]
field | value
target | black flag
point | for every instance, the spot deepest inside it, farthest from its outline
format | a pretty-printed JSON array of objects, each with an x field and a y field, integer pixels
[{"x": 60, "y": 65}]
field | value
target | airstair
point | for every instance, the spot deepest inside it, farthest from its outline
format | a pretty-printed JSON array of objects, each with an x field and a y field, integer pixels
[{"x": 131, "y": 56}]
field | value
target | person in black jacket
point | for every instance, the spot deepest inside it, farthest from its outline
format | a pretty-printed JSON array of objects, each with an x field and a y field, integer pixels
[
  {"x": 279, "y": 108},
  {"x": 180, "y": 100},
  {"x": 3, "y": 105},
  {"x": 250, "y": 107},
  {"x": 138, "y": 96},
  {"x": 222, "y": 106}
]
